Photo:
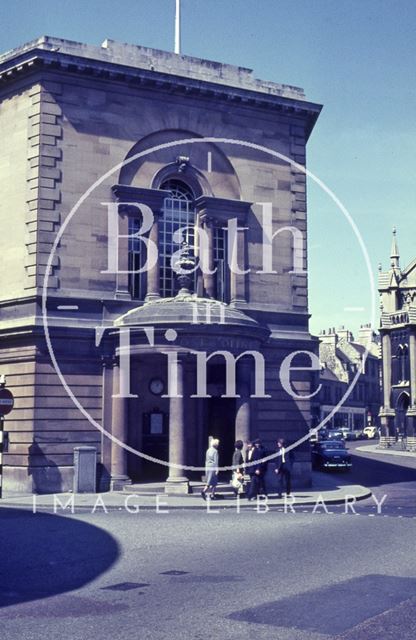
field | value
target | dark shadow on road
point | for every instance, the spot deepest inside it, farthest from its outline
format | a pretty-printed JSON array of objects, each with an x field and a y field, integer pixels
[
  {"x": 42, "y": 555},
  {"x": 376, "y": 472},
  {"x": 334, "y": 608}
]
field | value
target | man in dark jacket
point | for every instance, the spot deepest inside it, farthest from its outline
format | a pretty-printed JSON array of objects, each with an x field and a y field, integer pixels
[
  {"x": 283, "y": 464},
  {"x": 257, "y": 471}
]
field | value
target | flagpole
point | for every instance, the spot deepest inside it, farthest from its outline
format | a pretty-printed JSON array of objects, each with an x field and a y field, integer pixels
[{"x": 178, "y": 27}]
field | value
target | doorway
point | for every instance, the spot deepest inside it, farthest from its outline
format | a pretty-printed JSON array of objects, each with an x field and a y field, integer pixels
[
  {"x": 155, "y": 443},
  {"x": 401, "y": 418},
  {"x": 221, "y": 425}
]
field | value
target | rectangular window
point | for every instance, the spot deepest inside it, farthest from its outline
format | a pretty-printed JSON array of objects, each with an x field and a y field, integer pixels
[{"x": 137, "y": 257}]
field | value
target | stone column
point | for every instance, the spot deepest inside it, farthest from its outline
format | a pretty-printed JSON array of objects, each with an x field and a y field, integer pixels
[
  {"x": 177, "y": 481},
  {"x": 153, "y": 274},
  {"x": 106, "y": 419},
  {"x": 386, "y": 412},
  {"x": 238, "y": 280},
  {"x": 386, "y": 349},
  {"x": 119, "y": 429},
  {"x": 243, "y": 403},
  {"x": 411, "y": 412},
  {"x": 122, "y": 276},
  {"x": 209, "y": 278}
]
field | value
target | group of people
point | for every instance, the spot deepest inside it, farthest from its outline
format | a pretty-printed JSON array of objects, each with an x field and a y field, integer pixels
[{"x": 253, "y": 465}]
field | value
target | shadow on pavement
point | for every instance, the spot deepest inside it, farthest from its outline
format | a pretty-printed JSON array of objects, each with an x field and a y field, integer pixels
[
  {"x": 375, "y": 472},
  {"x": 335, "y": 608},
  {"x": 42, "y": 555}
]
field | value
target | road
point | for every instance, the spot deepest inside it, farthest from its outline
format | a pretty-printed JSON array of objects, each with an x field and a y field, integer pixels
[
  {"x": 392, "y": 480},
  {"x": 227, "y": 576}
]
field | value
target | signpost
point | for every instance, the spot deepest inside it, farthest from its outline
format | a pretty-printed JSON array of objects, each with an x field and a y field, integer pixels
[
  {"x": 6, "y": 401},
  {"x": 6, "y": 405}
]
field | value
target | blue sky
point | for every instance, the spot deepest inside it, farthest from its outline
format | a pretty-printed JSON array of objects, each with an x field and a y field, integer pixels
[{"x": 356, "y": 57}]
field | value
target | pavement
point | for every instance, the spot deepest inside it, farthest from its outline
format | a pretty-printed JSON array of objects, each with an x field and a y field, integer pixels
[
  {"x": 327, "y": 489},
  {"x": 374, "y": 448}
]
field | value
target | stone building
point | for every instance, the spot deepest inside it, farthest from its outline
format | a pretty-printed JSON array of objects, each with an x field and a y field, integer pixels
[
  {"x": 342, "y": 357},
  {"x": 94, "y": 141},
  {"x": 397, "y": 288}
]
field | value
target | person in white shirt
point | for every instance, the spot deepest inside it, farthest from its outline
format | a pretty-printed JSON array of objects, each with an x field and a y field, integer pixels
[{"x": 283, "y": 468}]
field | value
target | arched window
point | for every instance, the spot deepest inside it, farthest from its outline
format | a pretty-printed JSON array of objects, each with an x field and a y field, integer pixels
[
  {"x": 405, "y": 363},
  {"x": 176, "y": 224},
  {"x": 178, "y": 214},
  {"x": 397, "y": 365},
  {"x": 401, "y": 365}
]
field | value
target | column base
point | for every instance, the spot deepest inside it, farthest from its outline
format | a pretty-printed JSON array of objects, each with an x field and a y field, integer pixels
[
  {"x": 387, "y": 416},
  {"x": 123, "y": 295},
  {"x": 117, "y": 483},
  {"x": 411, "y": 422},
  {"x": 178, "y": 485},
  {"x": 386, "y": 442},
  {"x": 151, "y": 297},
  {"x": 238, "y": 302},
  {"x": 411, "y": 443}
]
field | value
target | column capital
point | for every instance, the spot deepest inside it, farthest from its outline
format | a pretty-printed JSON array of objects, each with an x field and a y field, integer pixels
[{"x": 108, "y": 361}]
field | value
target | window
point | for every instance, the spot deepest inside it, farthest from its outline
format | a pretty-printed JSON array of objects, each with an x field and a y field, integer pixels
[
  {"x": 178, "y": 213},
  {"x": 137, "y": 281},
  {"x": 220, "y": 262},
  {"x": 401, "y": 365}
]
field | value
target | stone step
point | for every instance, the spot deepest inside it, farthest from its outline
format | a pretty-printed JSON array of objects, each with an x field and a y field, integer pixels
[{"x": 154, "y": 488}]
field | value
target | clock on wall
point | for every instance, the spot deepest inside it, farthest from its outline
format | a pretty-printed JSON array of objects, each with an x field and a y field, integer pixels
[{"x": 156, "y": 386}]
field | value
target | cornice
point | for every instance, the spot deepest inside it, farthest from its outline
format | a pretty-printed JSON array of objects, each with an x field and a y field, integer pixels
[
  {"x": 222, "y": 208},
  {"x": 153, "y": 198},
  {"x": 35, "y": 60}
]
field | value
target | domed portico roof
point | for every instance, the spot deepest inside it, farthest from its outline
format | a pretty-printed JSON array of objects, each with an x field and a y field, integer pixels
[
  {"x": 185, "y": 308},
  {"x": 191, "y": 315}
]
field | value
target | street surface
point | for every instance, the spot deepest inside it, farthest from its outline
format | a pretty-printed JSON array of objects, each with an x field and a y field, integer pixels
[{"x": 197, "y": 576}]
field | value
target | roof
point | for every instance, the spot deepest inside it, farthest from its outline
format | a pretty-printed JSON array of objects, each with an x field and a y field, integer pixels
[
  {"x": 157, "y": 60},
  {"x": 189, "y": 309},
  {"x": 117, "y": 61}
]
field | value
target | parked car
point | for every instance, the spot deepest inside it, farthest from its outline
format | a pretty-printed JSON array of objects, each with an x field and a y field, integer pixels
[
  {"x": 371, "y": 432},
  {"x": 344, "y": 430},
  {"x": 313, "y": 435},
  {"x": 322, "y": 433},
  {"x": 335, "y": 434},
  {"x": 330, "y": 455},
  {"x": 354, "y": 434}
]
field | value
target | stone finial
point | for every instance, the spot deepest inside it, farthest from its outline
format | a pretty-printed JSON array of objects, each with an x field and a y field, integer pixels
[
  {"x": 184, "y": 268},
  {"x": 394, "y": 253}
]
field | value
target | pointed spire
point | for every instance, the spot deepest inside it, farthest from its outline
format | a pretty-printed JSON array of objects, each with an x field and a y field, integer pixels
[{"x": 394, "y": 254}]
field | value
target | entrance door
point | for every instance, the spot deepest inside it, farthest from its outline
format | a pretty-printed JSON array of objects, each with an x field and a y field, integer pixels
[
  {"x": 155, "y": 444},
  {"x": 221, "y": 425}
]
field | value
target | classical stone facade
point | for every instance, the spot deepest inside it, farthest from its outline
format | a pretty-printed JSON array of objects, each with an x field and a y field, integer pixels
[
  {"x": 342, "y": 358},
  {"x": 397, "y": 288},
  {"x": 89, "y": 132}
]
